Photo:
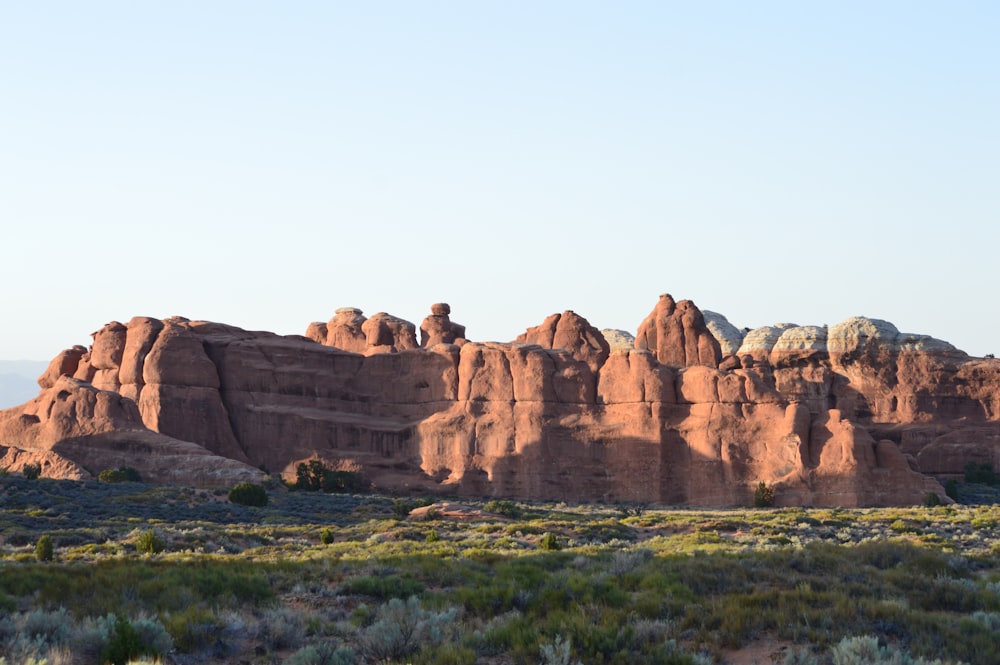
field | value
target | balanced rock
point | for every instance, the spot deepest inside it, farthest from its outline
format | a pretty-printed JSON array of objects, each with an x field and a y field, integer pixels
[{"x": 438, "y": 328}]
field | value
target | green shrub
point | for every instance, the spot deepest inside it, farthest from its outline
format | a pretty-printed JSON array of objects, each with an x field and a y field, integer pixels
[
  {"x": 149, "y": 543},
  {"x": 32, "y": 471},
  {"x": 504, "y": 507},
  {"x": 382, "y": 587},
  {"x": 763, "y": 496},
  {"x": 556, "y": 653},
  {"x": 932, "y": 499},
  {"x": 951, "y": 489},
  {"x": 123, "y": 645},
  {"x": 316, "y": 476},
  {"x": 323, "y": 653},
  {"x": 633, "y": 510},
  {"x": 248, "y": 494},
  {"x": 192, "y": 628},
  {"x": 281, "y": 628},
  {"x": 865, "y": 650},
  {"x": 981, "y": 472},
  {"x": 123, "y": 474},
  {"x": 326, "y": 536},
  {"x": 402, "y": 628},
  {"x": 401, "y": 508},
  {"x": 44, "y": 550},
  {"x": 548, "y": 542}
]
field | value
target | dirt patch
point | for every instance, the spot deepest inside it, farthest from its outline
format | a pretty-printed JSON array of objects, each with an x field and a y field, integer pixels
[{"x": 761, "y": 652}]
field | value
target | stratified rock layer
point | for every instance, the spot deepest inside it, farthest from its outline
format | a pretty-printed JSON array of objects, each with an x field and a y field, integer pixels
[{"x": 846, "y": 416}]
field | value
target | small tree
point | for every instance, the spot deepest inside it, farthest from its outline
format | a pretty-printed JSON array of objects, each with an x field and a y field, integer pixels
[
  {"x": 548, "y": 542},
  {"x": 32, "y": 471},
  {"x": 981, "y": 472},
  {"x": 149, "y": 543},
  {"x": 123, "y": 474},
  {"x": 316, "y": 476},
  {"x": 123, "y": 644},
  {"x": 763, "y": 496},
  {"x": 44, "y": 550},
  {"x": 248, "y": 494},
  {"x": 504, "y": 507}
]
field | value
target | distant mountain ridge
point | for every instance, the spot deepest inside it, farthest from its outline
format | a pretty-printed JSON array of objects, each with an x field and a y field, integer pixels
[{"x": 19, "y": 381}]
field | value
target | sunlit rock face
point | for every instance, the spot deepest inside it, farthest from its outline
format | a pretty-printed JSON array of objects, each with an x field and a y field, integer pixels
[{"x": 691, "y": 411}]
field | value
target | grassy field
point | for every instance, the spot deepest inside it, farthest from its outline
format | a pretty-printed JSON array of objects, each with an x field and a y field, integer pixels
[{"x": 130, "y": 572}]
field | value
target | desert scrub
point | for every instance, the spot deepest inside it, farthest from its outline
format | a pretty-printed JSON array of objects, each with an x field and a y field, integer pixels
[
  {"x": 248, "y": 494},
  {"x": 763, "y": 496},
  {"x": 123, "y": 474},
  {"x": 504, "y": 507},
  {"x": 383, "y": 586},
  {"x": 324, "y": 653},
  {"x": 44, "y": 549},
  {"x": 548, "y": 542},
  {"x": 149, "y": 543},
  {"x": 402, "y": 628}
]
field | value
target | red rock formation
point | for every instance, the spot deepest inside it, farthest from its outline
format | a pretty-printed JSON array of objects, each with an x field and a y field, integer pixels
[
  {"x": 571, "y": 332},
  {"x": 677, "y": 334},
  {"x": 385, "y": 333},
  {"x": 829, "y": 417},
  {"x": 76, "y": 431},
  {"x": 346, "y": 330},
  {"x": 438, "y": 327}
]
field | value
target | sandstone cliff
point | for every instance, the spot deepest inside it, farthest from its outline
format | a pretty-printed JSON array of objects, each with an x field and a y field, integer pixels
[{"x": 849, "y": 415}]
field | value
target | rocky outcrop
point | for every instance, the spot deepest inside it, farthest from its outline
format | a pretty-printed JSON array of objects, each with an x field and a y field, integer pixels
[
  {"x": 618, "y": 340},
  {"x": 343, "y": 331},
  {"x": 438, "y": 327},
  {"x": 677, "y": 335},
  {"x": 74, "y": 430},
  {"x": 571, "y": 332},
  {"x": 730, "y": 337},
  {"x": 846, "y": 415}
]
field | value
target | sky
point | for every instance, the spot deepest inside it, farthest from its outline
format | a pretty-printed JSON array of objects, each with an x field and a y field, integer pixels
[{"x": 264, "y": 163}]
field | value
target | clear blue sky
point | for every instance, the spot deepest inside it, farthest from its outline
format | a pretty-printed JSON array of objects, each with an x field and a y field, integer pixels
[{"x": 263, "y": 163}]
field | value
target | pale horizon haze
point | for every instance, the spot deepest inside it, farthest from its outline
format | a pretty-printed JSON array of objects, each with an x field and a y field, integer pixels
[{"x": 262, "y": 164}]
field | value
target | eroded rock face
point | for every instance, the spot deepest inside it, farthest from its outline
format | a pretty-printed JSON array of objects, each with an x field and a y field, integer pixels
[
  {"x": 677, "y": 334},
  {"x": 571, "y": 332},
  {"x": 838, "y": 416},
  {"x": 75, "y": 431}
]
